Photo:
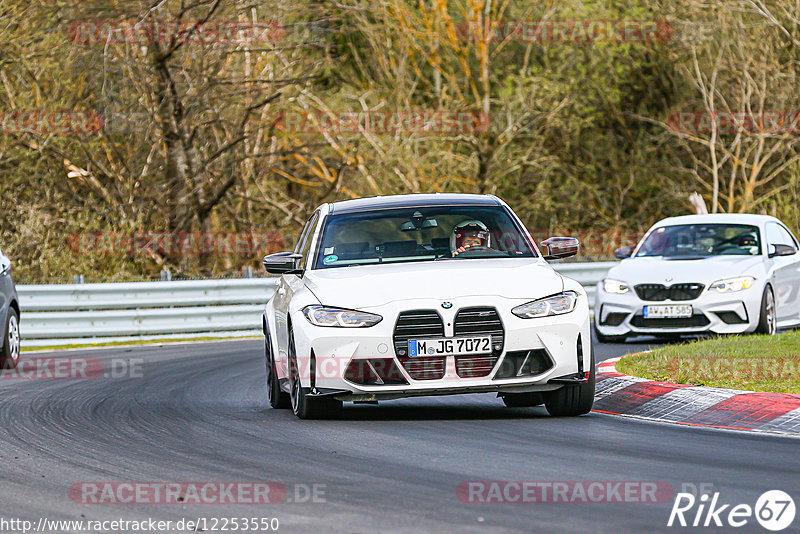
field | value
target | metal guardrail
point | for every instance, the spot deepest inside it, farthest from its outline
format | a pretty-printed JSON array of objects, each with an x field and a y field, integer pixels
[{"x": 72, "y": 313}]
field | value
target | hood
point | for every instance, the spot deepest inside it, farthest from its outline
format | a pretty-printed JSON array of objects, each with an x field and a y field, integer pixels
[
  {"x": 375, "y": 285},
  {"x": 656, "y": 270}
]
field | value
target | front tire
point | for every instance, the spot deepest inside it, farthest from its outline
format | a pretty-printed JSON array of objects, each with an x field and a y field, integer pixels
[
  {"x": 277, "y": 398},
  {"x": 570, "y": 401},
  {"x": 304, "y": 405},
  {"x": 10, "y": 351},
  {"x": 768, "y": 319}
]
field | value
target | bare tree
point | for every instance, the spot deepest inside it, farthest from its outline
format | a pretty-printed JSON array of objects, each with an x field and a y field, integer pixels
[{"x": 743, "y": 135}]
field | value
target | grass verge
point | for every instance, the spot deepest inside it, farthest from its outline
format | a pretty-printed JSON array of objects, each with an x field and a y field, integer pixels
[{"x": 753, "y": 363}]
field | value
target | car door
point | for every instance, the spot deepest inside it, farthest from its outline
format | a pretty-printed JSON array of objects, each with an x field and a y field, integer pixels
[
  {"x": 288, "y": 285},
  {"x": 786, "y": 273}
]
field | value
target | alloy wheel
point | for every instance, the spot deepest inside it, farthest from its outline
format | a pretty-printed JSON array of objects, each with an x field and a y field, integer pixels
[
  {"x": 772, "y": 319},
  {"x": 13, "y": 339}
]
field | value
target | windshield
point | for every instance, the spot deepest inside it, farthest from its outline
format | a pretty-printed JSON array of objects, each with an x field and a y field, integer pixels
[
  {"x": 701, "y": 240},
  {"x": 421, "y": 234}
]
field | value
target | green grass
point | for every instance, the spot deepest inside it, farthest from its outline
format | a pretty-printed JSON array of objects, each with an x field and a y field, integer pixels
[
  {"x": 753, "y": 363},
  {"x": 135, "y": 342}
]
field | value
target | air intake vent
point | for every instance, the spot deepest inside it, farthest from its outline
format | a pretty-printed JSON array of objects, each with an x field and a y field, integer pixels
[
  {"x": 474, "y": 366},
  {"x": 729, "y": 317},
  {"x": 614, "y": 319},
  {"x": 697, "y": 320},
  {"x": 374, "y": 372},
  {"x": 524, "y": 363},
  {"x": 424, "y": 367}
]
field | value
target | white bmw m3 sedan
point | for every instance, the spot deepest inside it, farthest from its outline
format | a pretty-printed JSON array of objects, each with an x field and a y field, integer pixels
[
  {"x": 428, "y": 294},
  {"x": 721, "y": 273}
]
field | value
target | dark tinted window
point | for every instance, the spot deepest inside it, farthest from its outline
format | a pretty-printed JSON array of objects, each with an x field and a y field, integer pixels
[{"x": 698, "y": 240}]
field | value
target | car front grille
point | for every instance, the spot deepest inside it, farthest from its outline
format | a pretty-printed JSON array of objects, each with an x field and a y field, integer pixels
[
  {"x": 659, "y": 292},
  {"x": 426, "y": 324},
  {"x": 416, "y": 324},
  {"x": 481, "y": 321},
  {"x": 419, "y": 324}
]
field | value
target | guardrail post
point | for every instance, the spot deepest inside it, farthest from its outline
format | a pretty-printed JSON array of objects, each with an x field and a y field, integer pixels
[
  {"x": 247, "y": 272},
  {"x": 78, "y": 279},
  {"x": 166, "y": 275}
]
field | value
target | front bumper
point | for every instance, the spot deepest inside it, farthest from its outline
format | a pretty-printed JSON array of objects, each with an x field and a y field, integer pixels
[
  {"x": 326, "y": 356},
  {"x": 720, "y": 313}
]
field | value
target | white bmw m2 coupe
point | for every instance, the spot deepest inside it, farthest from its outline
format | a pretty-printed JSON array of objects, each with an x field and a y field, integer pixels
[
  {"x": 428, "y": 294},
  {"x": 719, "y": 273}
]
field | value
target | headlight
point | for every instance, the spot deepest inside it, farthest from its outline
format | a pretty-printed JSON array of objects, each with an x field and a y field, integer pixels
[
  {"x": 555, "y": 305},
  {"x": 339, "y": 317},
  {"x": 732, "y": 284},
  {"x": 615, "y": 286}
]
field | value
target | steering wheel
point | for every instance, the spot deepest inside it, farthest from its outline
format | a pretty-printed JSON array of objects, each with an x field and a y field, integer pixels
[{"x": 479, "y": 249}]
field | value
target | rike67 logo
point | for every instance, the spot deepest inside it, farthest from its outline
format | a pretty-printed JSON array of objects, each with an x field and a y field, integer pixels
[{"x": 774, "y": 510}]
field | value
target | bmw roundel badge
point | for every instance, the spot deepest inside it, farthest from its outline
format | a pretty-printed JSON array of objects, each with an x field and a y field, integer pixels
[{"x": 447, "y": 305}]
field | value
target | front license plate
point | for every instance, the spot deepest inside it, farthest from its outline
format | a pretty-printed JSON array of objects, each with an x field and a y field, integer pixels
[
  {"x": 670, "y": 311},
  {"x": 455, "y": 346}
]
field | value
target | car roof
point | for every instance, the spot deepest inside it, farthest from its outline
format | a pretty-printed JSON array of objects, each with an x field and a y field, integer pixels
[
  {"x": 720, "y": 218},
  {"x": 412, "y": 201}
]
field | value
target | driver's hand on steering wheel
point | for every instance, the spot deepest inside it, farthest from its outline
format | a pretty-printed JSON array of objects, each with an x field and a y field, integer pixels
[{"x": 461, "y": 249}]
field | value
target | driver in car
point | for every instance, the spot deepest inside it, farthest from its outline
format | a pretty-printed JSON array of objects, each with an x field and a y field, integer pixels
[
  {"x": 469, "y": 234},
  {"x": 747, "y": 241}
]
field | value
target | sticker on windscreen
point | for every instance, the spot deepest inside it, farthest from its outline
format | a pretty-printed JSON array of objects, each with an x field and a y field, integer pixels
[{"x": 333, "y": 258}]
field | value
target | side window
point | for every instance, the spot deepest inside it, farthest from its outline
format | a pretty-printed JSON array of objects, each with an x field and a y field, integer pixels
[
  {"x": 778, "y": 235},
  {"x": 305, "y": 248},
  {"x": 303, "y": 234},
  {"x": 792, "y": 241}
]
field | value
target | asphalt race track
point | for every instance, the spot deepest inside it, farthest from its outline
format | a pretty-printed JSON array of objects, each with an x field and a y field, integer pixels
[{"x": 199, "y": 413}]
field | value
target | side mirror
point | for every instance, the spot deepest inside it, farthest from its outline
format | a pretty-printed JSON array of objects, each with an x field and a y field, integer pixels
[
  {"x": 782, "y": 250},
  {"x": 282, "y": 263},
  {"x": 5, "y": 265},
  {"x": 624, "y": 252},
  {"x": 556, "y": 248}
]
